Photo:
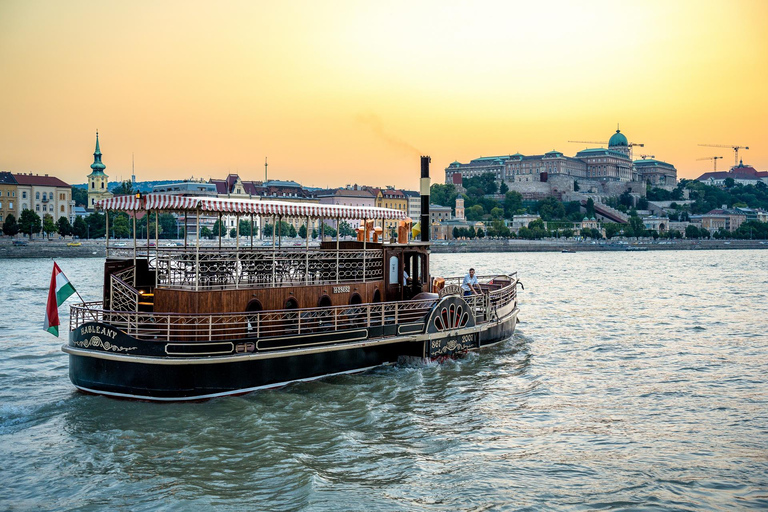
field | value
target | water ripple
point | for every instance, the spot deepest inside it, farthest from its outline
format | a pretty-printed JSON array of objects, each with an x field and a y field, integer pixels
[{"x": 631, "y": 384}]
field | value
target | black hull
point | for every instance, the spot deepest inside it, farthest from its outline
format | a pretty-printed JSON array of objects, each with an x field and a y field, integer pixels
[{"x": 164, "y": 378}]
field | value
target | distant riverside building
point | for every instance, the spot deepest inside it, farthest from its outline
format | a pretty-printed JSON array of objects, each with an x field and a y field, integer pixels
[
  {"x": 8, "y": 190},
  {"x": 186, "y": 188},
  {"x": 477, "y": 167},
  {"x": 656, "y": 173},
  {"x": 438, "y": 213},
  {"x": 597, "y": 170},
  {"x": 414, "y": 204},
  {"x": 98, "y": 181},
  {"x": 744, "y": 174},
  {"x": 520, "y": 168},
  {"x": 44, "y": 195},
  {"x": 349, "y": 196},
  {"x": 722, "y": 218}
]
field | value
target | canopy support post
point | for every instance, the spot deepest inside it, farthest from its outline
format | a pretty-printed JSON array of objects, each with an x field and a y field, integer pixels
[
  {"x": 219, "y": 231},
  {"x": 274, "y": 262},
  {"x": 106, "y": 214},
  {"x": 337, "y": 250},
  {"x": 365, "y": 240},
  {"x": 157, "y": 250},
  {"x": 134, "y": 248},
  {"x": 237, "y": 250},
  {"x": 197, "y": 252},
  {"x": 306, "y": 256}
]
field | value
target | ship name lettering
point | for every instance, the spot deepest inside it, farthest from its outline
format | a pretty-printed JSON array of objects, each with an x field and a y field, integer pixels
[
  {"x": 97, "y": 329},
  {"x": 341, "y": 289}
]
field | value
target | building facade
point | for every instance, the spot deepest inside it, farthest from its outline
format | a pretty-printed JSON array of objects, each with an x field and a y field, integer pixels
[
  {"x": 477, "y": 167},
  {"x": 656, "y": 173},
  {"x": 8, "y": 190},
  {"x": 520, "y": 168},
  {"x": 594, "y": 169},
  {"x": 744, "y": 174},
  {"x": 349, "y": 196},
  {"x": 391, "y": 198},
  {"x": 44, "y": 195},
  {"x": 723, "y": 218}
]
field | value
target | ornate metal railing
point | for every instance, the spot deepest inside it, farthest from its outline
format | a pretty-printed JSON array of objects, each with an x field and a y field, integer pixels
[
  {"x": 262, "y": 324},
  {"x": 233, "y": 268},
  {"x": 122, "y": 296},
  {"x": 270, "y": 324}
]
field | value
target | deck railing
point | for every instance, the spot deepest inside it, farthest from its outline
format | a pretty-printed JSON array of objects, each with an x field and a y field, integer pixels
[
  {"x": 261, "y": 266},
  {"x": 270, "y": 324},
  {"x": 262, "y": 324}
]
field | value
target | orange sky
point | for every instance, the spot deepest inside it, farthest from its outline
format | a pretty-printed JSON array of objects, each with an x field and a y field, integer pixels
[{"x": 338, "y": 92}]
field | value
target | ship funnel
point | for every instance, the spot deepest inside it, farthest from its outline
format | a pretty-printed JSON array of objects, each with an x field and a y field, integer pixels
[{"x": 424, "y": 220}]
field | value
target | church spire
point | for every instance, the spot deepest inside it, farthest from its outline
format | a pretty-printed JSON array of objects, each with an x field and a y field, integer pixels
[{"x": 97, "y": 166}]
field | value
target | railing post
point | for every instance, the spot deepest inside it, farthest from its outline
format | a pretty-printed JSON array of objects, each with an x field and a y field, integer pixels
[
  {"x": 197, "y": 252},
  {"x": 306, "y": 259},
  {"x": 106, "y": 218},
  {"x": 365, "y": 240},
  {"x": 210, "y": 327},
  {"x": 337, "y": 250}
]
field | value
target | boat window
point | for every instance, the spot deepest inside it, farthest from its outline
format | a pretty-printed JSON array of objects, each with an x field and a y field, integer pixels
[
  {"x": 377, "y": 296},
  {"x": 324, "y": 302},
  {"x": 393, "y": 265},
  {"x": 355, "y": 299},
  {"x": 254, "y": 305},
  {"x": 291, "y": 304}
]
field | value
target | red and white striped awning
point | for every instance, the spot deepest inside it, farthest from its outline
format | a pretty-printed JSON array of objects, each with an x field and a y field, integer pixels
[
  {"x": 247, "y": 206},
  {"x": 120, "y": 203}
]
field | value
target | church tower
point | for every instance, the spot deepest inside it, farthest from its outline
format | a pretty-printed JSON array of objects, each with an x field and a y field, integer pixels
[
  {"x": 97, "y": 180},
  {"x": 460, "y": 208}
]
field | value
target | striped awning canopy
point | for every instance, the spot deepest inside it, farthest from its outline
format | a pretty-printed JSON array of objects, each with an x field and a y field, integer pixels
[
  {"x": 167, "y": 202},
  {"x": 120, "y": 203}
]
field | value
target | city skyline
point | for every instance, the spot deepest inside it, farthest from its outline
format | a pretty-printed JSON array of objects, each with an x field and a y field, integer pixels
[{"x": 344, "y": 92}]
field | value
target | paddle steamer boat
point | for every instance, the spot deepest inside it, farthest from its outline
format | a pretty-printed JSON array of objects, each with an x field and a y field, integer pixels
[{"x": 200, "y": 321}]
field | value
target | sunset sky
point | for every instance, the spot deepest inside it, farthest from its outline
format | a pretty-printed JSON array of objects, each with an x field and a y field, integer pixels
[{"x": 338, "y": 92}]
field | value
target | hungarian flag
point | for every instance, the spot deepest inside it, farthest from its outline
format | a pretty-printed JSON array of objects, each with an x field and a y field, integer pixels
[{"x": 60, "y": 291}]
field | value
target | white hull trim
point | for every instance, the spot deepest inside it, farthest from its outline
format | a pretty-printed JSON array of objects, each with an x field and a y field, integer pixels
[{"x": 224, "y": 393}]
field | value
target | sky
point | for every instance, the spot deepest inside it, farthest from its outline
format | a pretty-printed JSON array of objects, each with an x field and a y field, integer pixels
[{"x": 342, "y": 92}]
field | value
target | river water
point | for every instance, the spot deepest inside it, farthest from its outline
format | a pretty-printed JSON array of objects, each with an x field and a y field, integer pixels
[{"x": 635, "y": 381}]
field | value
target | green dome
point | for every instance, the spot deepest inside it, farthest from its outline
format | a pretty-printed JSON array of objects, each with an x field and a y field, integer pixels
[{"x": 618, "y": 139}]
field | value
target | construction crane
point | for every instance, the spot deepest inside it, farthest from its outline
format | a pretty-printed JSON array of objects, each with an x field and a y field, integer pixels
[
  {"x": 713, "y": 158},
  {"x": 732, "y": 146},
  {"x": 601, "y": 142},
  {"x": 647, "y": 156}
]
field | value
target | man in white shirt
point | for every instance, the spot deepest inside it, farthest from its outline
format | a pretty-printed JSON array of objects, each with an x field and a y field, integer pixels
[{"x": 470, "y": 284}]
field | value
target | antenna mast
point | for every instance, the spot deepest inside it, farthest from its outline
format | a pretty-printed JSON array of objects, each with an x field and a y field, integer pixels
[{"x": 265, "y": 170}]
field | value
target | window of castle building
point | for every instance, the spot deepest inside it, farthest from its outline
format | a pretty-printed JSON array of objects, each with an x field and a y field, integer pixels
[{"x": 37, "y": 195}]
